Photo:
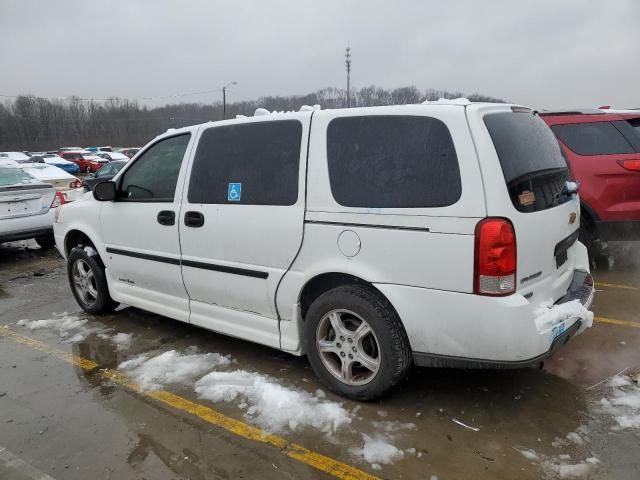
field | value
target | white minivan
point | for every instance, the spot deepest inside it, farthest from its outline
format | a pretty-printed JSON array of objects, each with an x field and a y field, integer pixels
[{"x": 369, "y": 239}]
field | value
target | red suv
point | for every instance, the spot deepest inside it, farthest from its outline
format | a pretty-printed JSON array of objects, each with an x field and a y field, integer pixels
[
  {"x": 86, "y": 165},
  {"x": 603, "y": 152}
]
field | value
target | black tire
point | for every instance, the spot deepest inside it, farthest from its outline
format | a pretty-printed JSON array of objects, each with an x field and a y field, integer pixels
[
  {"x": 597, "y": 257},
  {"x": 46, "y": 241},
  {"x": 394, "y": 348},
  {"x": 103, "y": 302}
]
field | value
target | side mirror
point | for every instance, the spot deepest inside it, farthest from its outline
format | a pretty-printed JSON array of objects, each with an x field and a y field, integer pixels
[{"x": 104, "y": 191}]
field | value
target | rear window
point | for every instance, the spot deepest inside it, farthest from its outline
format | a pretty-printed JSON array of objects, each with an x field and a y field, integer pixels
[
  {"x": 392, "y": 162},
  {"x": 532, "y": 163},
  {"x": 635, "y": 124},
  {"x": 14, "y": 176},
  {"x": 596, "y": 138}
]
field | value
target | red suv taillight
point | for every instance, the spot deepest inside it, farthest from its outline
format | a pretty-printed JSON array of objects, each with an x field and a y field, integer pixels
[
  {"x": 77, "y": 183},
  {"x": 495, "y": 258},
  {"x": 58, "y": 199},
  {"x": 631, "y": 165}
]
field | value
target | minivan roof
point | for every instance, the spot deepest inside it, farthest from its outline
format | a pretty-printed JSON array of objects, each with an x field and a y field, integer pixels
[{"x": 305, "y": 111}]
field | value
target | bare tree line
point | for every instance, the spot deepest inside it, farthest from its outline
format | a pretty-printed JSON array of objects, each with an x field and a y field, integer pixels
[{"x": 34, "y": 123}]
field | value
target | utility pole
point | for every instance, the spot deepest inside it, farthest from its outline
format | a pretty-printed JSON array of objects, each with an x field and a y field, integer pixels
[
  {"x": 347, "y": 64},
  {"x": 224, "y": 99}
]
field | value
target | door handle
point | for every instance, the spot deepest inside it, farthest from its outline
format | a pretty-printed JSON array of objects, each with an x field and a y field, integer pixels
[
  {"x": 193, "y": 219},
  {"x": 166, "y": 217}
]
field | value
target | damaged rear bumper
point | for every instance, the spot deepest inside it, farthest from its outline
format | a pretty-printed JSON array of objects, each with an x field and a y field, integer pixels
[{"x": 581, "y": 289}]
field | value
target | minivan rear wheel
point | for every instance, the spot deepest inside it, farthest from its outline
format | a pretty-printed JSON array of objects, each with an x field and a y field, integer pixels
[
  {"x": 355, "y": 342},
  {"x": 88, "y": 282}
]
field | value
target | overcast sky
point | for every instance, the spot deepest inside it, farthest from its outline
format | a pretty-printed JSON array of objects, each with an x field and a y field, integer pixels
[{"x": 550, "y": 53}]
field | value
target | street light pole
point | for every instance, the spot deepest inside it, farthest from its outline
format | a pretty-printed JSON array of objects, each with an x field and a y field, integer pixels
[{"x": 224, "y": 99}]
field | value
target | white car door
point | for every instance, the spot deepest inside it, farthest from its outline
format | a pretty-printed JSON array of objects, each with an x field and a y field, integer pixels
[
  {"x": 140, "y": 230},
  {"x": 242, "y": 222}
]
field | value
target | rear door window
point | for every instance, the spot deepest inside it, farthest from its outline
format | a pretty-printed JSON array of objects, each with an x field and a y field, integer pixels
[
  {"x": 392, "y": 162},
  {"x": 532, "y": 164},
  {"x": 250, "y": 164},
  {"x": 595, "y": 138}
]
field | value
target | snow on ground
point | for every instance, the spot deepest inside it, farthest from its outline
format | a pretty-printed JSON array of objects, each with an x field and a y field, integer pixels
[
  {"x": 152, "y": 373},
  {"x": 560, "y": 466},
  {"x": 623, "y": 405},
  {"x": 273, "y": 406},
  {"x": 378, "y": 450},
  {"x": 379, "y": 447},
  {"x": 70, "y": 327}
]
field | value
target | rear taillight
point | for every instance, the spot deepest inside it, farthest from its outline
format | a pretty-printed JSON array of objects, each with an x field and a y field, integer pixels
[
  {"x": 631, "y": 165},
  {"x": 58, "y": 199},
  {"x": 77, "y": 183},
  {"x": 495, "y": 258}
]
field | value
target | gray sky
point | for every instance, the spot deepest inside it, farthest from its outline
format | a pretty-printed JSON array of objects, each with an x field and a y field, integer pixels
[{"x": 546, "y": 53}]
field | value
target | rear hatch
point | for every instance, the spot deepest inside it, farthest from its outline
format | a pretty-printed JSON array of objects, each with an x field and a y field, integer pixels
[
  {"x": 528, "y": 184},
  {"x": 21, "y": 195}
]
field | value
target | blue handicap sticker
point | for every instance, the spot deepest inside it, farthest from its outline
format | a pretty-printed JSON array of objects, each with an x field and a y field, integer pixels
[{"x": 235, "y": 192}]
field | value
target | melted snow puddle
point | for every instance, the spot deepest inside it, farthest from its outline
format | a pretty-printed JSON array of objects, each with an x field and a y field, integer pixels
[
  {"x": 620, "y": 408},
  {"x": 71, "y": 327},
  {"x": 265, "y": 401}
]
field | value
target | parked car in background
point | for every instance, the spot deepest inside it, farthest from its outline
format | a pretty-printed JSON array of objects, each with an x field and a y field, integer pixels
[
  {"x": 112, "y": 156},
  {"x": 25, "y": 206},
  {"x": 19, "y": 157},
  {"x": 69, "y": 187},
  {"x": 129, "y": 151},
  {"x": 105, "y": 173},
  {"x": 86, "y": 161},
  {"x": 370, "y": 239},
  {"x": 56, "y": 161},
  {"x": 99, "y": 149},
  {"x": 603, "y": 152}
]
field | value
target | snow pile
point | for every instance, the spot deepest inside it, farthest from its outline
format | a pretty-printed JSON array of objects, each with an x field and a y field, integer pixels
[
  {"x": 549, "y": 316},
  {"x": 561, "y": 466},
  {"x": 378, "y": 448},
  {"x": 122, "y": 340},
  {"x": 271, "y": 405},
  {"x": 71, "y": 328},
  {"x": 624, "y": 403},
  {"x": 448, "y": 101},
  {"x": 171, "y": 367}
]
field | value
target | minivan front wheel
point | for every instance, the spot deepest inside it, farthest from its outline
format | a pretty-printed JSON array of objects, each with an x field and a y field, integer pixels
[
  {"x": 88, "y": 282},
  {"x": 355, "y": 342}
]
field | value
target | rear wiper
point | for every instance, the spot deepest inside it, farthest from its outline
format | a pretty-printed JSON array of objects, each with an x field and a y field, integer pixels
[{"x": 538, "y": 173}]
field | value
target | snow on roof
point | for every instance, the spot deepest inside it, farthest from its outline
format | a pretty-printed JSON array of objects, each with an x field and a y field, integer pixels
[
  {"x": 304, "y": 108},
  {"x": 448, "y": 101}
]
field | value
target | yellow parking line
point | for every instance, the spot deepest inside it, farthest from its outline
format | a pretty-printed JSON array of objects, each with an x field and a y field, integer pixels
[
  {"x": 616, "y": 285},
  {"x": 615, "y": 321},
  {"x": 297, "y": 452}
]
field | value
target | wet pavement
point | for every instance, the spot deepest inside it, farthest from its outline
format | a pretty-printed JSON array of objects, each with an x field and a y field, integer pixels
[{"x": 72, "y": 422}]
